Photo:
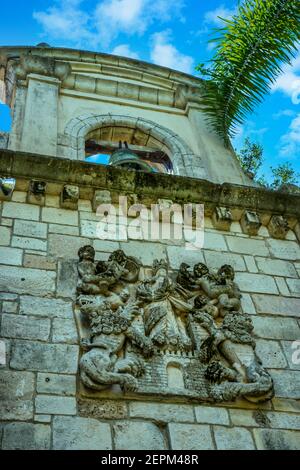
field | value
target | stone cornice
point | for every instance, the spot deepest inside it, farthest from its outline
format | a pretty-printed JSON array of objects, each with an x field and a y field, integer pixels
[
  {"x": 148, "y": 187},
  {"x": 73, "y": 55},
  {"x": 106, "y": 75}
]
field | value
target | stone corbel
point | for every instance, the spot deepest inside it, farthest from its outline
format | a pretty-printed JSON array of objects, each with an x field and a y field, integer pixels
[
  {"x": 101, "y": 197},
  {"x": 278, "y": 227},
  {"x": 36, "y": 192},
  {"x": 250, "y": 223},
  {"x": 69, "y": 197},
  {"x": 222, "y": 218}
]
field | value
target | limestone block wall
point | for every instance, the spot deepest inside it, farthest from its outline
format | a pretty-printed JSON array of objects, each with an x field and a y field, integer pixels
[{"x": 39, "y": 403}]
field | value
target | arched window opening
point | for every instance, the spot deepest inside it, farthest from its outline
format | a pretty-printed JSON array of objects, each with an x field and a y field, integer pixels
[{"x": 128, "y": 148}]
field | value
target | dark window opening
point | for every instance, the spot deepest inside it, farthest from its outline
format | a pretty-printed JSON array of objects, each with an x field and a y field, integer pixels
[{"x": 102, "y": 143}]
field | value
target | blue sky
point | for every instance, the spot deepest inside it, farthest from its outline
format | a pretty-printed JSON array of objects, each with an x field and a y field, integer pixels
[{"x": 173, "y": 33}]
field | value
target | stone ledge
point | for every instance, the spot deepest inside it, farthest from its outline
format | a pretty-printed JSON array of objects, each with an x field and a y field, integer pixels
[{"x": 89, "y": 177}]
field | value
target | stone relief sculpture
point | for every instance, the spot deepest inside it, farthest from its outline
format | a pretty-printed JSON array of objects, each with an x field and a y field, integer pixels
[
  {"x": 109, "y": 315},
  {"x": 135, "y": 326},
  {"x": 165, "y": 305}
]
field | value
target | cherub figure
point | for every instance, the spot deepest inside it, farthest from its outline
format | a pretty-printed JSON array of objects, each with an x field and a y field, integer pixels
[
  {"x": 96, "y": 279},
  {"x": 111, "y": 327},
  {"x": 88, "y": 279},
  {"x": 185, "y": 277},
  {"x": 220, "y": 286},
  {"x": 204, "y": 304}
]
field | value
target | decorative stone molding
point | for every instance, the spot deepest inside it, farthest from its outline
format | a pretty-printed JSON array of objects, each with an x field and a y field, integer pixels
[
  {"x": 188, "y": 94},
  {"x": 114, "y": 88},
  {"x": 69, "y": 197},
  {"x": 250, "y": 223},
  {"x": 278, "y": 227},
  {"x": 134, "y": 329},
  {"x": 101, "y": 197},
  {"x": 179, "y": 151},
  {"x": 139, "y": 187},
  {"x": 111, "y": 64},
  {"x": 45, "y": 66},
  {"x": 222, "y": 218},
  {"x": 36, "y": 192}
]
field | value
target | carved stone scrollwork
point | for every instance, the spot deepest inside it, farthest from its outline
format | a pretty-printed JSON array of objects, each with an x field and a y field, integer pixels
[{"x": 136, "y": 326}]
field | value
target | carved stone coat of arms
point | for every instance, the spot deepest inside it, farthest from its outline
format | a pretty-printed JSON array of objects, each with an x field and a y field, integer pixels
[{"x": 165, "y": 334}]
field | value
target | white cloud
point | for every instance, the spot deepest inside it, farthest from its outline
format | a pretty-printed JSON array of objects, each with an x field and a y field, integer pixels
[
  {"x": 69, "y": 20},
  {"x": 213, "y": 19},
  {"x": 164, "y": 53},
  {"x": 214, "y": 16},
  {"x": 250, "y": 130},
  {"x": 290, "y": 142},
  {"x": 284, "y": 113},
  {"x": 65, "y": 21},
  {"x": 125, "y": 51},
  {"x": 133, "y": 16},
  {"x": 115, "y": 16},
  {"x": 289, "y": 81}
]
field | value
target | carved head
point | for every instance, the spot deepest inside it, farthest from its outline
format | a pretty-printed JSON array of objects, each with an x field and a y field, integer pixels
[
  {"x": 101, "y": 267},
  {"x": 118, "y": 256},
  {"x": 226, "y": 272},
  {"x": 200, "y": 301},
  {"x": 160, "y": 266},
  {"x": 86, "y": 253},
  {"x": 200, "y": 270},
  {"x": 124, "y": 295},
  {"x": 183, "y": 267}
]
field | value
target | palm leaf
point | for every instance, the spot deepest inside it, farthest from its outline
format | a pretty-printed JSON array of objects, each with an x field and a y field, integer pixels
[{"x": 250, "y": 51}]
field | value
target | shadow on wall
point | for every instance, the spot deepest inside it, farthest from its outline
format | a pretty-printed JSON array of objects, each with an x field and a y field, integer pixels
[{"x": 5, "y": 118}]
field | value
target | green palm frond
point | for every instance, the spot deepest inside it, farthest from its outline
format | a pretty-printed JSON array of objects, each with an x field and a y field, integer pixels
[{"x": 249, "y": 53}]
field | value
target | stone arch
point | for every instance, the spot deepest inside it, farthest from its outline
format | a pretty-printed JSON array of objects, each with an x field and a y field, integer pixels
[{"x": 179, "y": 152}]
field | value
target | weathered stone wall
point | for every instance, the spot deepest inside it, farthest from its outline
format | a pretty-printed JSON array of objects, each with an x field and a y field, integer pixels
[{"x": 40, "y": 407}]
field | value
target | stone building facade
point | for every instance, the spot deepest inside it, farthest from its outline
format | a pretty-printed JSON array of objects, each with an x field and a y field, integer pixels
[{"x": 192, "y": 361}]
